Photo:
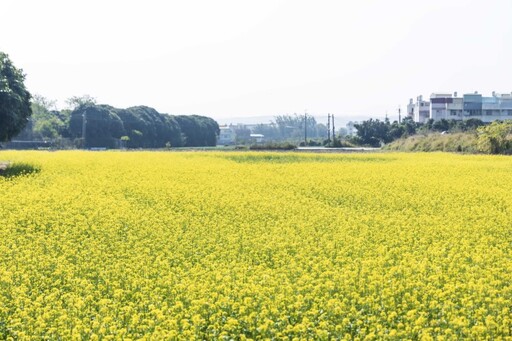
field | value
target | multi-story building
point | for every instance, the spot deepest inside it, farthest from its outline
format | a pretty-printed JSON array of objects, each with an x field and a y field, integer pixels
[
  {"x": 450, "y": 106},
  {"x": 419, "y": 111},
  {"x": 439, "y": 105}
]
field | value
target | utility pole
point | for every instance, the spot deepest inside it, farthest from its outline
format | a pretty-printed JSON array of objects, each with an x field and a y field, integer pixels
[
  {"x": 305, "y": 129},
  {"x": 399, "y": 116},
  {"x": 333, "y": 130},
  {"x": 84, "y": 125},
  {"x": 329, "y": 128}
]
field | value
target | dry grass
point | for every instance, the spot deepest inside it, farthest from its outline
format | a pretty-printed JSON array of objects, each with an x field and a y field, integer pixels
[{"x": 457, "y": 142}]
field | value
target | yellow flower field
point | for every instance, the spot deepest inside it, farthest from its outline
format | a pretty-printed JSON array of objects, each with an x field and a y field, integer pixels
[{"x": 207, "y": 245}]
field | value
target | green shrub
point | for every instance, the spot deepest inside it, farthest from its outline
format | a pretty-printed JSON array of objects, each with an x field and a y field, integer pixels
[
  {"x": 18, "y": 169},
  {"x": 495, "y": 138},
  {"x": 273, "y": 146}
]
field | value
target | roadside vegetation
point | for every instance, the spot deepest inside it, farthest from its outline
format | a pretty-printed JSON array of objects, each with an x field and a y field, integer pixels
[
  {"x": 494, "y": 138},
  {"x": 469, "y": 136},
  {"x": 376, "y": 133},
  {"x": 433, "y": 142}
]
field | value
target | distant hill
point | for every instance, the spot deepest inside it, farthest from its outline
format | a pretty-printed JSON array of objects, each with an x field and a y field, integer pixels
[{"x": 244, "y": 120}]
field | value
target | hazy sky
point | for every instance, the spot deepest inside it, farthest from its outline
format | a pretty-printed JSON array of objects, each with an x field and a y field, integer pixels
[{"x": 234, "y": 58}]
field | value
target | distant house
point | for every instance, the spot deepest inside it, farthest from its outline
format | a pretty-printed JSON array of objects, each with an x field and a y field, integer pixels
[
  {"x": 227, "y": 135},
  {"x": 257, "y": 138}
]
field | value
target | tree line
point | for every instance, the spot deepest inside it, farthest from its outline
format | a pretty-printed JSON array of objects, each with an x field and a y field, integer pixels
[
  {"x": 92, "y": 125},
  {"x": 291, "y": 128},
  {"x": 140, "y": 127},
  {"x": 88, "y": 124},
  {"x": 374, "y": 132}
]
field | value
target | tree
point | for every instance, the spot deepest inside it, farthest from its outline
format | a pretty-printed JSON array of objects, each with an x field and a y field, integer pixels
[
  {"x": 243, "y": 135},
  {"x": 198, "y": 130},
  {"x": 342, "y": 132},
  {"x": 270, "y": 131},
  {"x": 76, "y": 102},
  {"x": 46, "y": 122},
  {"x": 292, "y": 127},
  {"x": 142, "y": 125},
  {"x": 15, "y": 107},
  {"x": 321, "y": 131},
  {"x": 374, "y": 132},
  {"x": 495, "y": 138},
  {"x": 409, "y": 125},
  {"x": 171, "y": 134},
  {"x": 103, "y": 127},
  {"x": 147, "y": 128},
  {"x": 396, "y": 131},
  {"x": 441, "y": 125}
]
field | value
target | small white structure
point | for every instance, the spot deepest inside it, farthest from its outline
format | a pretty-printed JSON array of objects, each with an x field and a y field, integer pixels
[{"x": 258, "y": 138}]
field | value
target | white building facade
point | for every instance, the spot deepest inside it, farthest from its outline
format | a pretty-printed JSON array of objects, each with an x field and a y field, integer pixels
[
  {"x": 227, "y": 135},
  {"x": 452, "y": 107},
  {"x": 419, "y": 111}
]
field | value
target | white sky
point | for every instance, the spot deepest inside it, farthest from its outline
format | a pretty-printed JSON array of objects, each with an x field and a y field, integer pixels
[{"x": 236, "y": 58}]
